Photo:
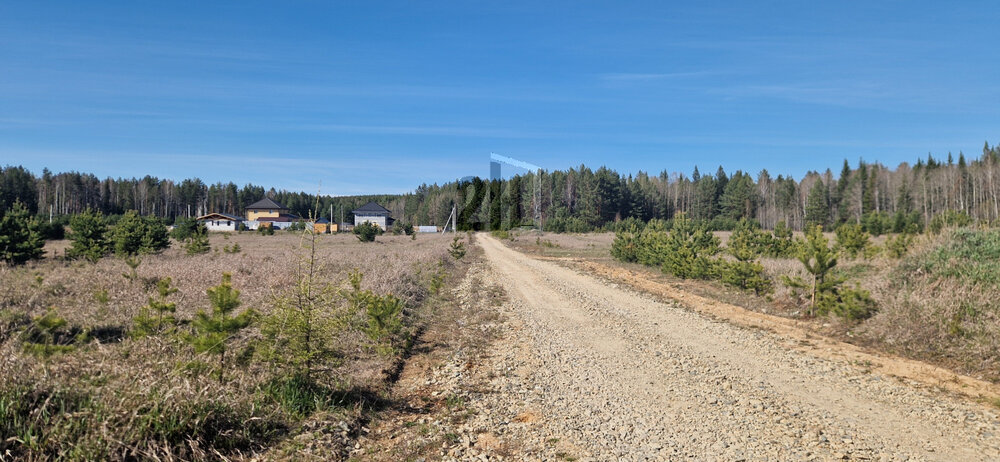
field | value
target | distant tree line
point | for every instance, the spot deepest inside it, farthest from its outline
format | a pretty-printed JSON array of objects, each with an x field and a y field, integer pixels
[{"x": 578, "y": 199}]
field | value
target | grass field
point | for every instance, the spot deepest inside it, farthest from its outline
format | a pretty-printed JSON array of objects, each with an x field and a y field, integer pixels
[{"x": 117, "y": 396}]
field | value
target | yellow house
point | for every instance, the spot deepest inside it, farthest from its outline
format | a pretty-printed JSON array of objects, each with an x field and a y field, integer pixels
[{"x": 265, "y": 208}]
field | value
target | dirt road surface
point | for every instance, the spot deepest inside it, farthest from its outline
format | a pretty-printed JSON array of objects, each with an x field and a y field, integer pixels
[{"x": 606, "y": 373}]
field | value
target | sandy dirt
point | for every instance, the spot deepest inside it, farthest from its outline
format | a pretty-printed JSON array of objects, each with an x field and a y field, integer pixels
[{"x": 615, "y": 374}]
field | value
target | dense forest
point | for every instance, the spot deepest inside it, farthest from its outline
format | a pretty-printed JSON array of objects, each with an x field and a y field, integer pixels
[{"x": 577, "y": 199}]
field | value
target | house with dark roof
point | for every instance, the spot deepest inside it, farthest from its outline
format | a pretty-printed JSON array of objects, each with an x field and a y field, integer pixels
[
  {"x": 266, "y": 208},
  {"x": 268, "y": 212},
  {"x": 221, "y": 222},
  {"x": 373, "y": 213}
]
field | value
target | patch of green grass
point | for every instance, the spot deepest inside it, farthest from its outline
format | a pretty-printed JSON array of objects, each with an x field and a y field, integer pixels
[
  {"x": 454, "y": 401},
  {"x": 970, "y": 255},
  {"x": 501, "y": 234},
  {"x": 299, "y": 395},
  {"x": 854, "y": 272}
]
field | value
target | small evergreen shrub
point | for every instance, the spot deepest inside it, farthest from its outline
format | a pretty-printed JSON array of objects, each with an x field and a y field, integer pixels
[
  {"x": 88, "y": 236},
  {"x": 158, "y": 315},
  {"x": 134, "y": 235},
  {"x": 212, "y": 331},
  {"x": 457, "y": 248},
  {"x": 818, "y": 259},
  {"x": 20, "y": 239},
  {"x": 184, "y": 227},
  {"x": 197, "y": 242},
  {"x": 625, "y": 247},
  {"x": 949, "y": 219},
  {"x": 688, "y": 251},
  {"x": 367, "y": 231},
  {"x": 899, "y": 245},
  {"x": 852, "y": 240},
  {"x": 745, "y": 245},
  {"x": 47, "y": 337}
]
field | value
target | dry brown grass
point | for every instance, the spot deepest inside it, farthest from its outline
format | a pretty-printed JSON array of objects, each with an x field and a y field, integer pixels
[{"x": 153, "y": 396}]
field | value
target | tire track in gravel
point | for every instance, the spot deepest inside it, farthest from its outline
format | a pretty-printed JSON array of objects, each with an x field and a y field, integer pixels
[{"x": 628, "y": 377}]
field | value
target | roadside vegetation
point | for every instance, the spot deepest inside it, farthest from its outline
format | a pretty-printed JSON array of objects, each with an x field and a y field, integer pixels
[{"x": 280, "y": 349}]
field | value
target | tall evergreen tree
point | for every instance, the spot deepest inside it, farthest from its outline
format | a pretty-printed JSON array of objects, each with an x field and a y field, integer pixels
[{"x": 817, "y": 206}]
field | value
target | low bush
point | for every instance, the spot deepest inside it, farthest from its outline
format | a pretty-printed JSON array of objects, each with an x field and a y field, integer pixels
[
  {"x": 457, "y": 248},
  {"x": 899, "y": 245},
  {"x": 134, "y": 235},
  {"x": 158, "y": 315},
  {"x": 625, "y": 247},
  {"x": 972, "y": 256},
  {"x": 501, "y": 234},
  {"x": 20, "y": 239},
  {"x": 184, "y": 227},
  {"x": 367, "y": 231},
  {"x": 689, "y": 251},
  {"x": 89, "y": 236},
  {"x": 197, "y": 242},
  {"x": 212, "y": 331},
  {"x": 948, "y": 219},
  {"x": 852, "y": 240}
]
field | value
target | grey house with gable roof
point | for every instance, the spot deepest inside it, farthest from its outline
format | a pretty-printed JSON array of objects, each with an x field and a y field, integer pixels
[{"x": 374, "y": 213}]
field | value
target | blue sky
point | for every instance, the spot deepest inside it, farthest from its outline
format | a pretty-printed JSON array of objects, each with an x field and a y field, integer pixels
[{"x": 379, "y": 97}]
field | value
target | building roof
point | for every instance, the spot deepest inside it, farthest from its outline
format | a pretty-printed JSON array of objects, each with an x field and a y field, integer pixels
[
  {"x": 266, "y": 203},
  {"x": 219, "y": 216},
  {"x": 370, "y": 208},
  {"x": 322, "y": 221}
]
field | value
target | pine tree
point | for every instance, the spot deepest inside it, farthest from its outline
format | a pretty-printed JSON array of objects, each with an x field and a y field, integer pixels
[
  {"x": 746, "y": 272},
  {"x": 302, "y": 329},
  {"x": 126, "y": 236},
  {"x": 198, "y": 243},
  {"x": 213, "y": 330},
  {"x": 157, "y": 316},
  {"x": 89, "y": 236},
  {"x": 818, "y": 259},
  {"x": 20, "y": 240},
  {"x": 739, "y": 200},
  {"x": 817, "y": 207},
  {"x": 687, "y": 251},
  {"x": 852, "y": 239}
]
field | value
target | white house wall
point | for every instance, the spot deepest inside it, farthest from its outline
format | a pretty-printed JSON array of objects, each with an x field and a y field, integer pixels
[
  {"x": 378, "y": 220},
  {"x": 221, "y": 225}
]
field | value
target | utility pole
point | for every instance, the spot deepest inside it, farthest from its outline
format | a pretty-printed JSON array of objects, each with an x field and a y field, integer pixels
[{"x": 453, "y": 218}]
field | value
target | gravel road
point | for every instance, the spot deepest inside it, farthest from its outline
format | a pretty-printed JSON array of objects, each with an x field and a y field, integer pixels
[{"x": 605, "y": 373}]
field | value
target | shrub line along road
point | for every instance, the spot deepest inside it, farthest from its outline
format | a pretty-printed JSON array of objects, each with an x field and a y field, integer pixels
[{"x": 624, "y": 376}]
